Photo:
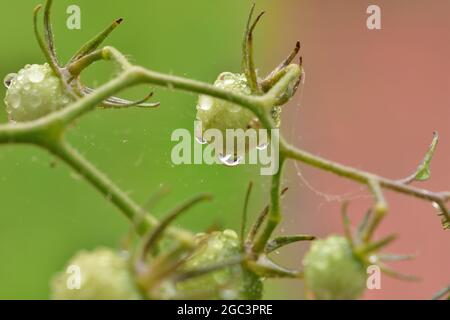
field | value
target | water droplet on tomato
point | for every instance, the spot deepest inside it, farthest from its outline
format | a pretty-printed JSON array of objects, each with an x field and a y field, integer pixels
[
  {"x": 9, "y": 79},
  {"x": 205, "y": 103},
  {"x": 14, "y": 100},
  {"x": 35, "y": 74}
]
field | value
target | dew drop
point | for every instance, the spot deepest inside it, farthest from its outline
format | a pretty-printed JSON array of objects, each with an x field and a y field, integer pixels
[
  {"x": 35, "y": 101},
  {"x": 225, "y": 76},
  {"x": 228, "y": 82},
  {"x": 262, "y": 146},
  {"x": 235, "y": 108},
  {"x": 373, "y": 259},
  {"x": 230, "y": 233},
  {"x": 36, "y": 75},
  {"x": 205, "y": 103},
  {"x": 229, "y": 160},
  {"x": 14, "y": 101},
  {"x": 200, "y": 140},
  {"x": 217, "y": 245},
  {"x": 437, "y": 208},
  {"x": 198, "y": 133},
  {"x": 224, "y": 157},
  {"x": 9, "y": 79}
]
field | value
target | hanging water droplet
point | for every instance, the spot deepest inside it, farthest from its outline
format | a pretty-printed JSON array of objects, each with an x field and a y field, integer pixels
[
  {"x": 437, "y": 207},
  {"x": 229, "y": 160},
  {"x": 200, "y": 140},
  {"x": 198, "y": 133},
  {"x": 262, "y": 146},
  {"x": 9, "y": 79},
  {"x": 224, "y": 157},
  {"x": 205, "y": 103},
  {"x": 36, "y": 74},
  {"x": 373, "y": 259}
]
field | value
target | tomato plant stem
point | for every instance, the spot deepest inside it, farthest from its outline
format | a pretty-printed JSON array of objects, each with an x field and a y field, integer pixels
[{"x": 48, "y": 131}]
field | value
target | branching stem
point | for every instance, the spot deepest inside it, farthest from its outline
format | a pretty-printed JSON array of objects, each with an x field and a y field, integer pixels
[{"x": 48, "y": 133}]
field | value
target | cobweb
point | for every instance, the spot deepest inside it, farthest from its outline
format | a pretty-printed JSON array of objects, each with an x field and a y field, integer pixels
[{"x": 358, "y": 193}]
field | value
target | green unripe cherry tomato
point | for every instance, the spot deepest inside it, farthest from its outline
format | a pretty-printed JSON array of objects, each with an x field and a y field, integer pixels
[
  {"x": 332, "y": 271},
  {"x": 34, "y": 92},
  {"x": 236, "y": 281},
  {"x": 219, "y": 114},
  {"x": 104, "y": 275}
]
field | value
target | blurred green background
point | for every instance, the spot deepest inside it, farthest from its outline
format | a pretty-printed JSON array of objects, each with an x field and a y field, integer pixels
[{"x": 47, "y": 213}]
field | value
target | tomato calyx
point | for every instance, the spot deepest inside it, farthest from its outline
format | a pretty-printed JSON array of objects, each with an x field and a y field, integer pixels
[{"x": 69, "y": 74}]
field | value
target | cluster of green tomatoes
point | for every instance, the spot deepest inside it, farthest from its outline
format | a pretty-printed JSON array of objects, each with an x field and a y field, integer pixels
[
  {"x": 216, "y": 265},
  {"x": 331, "y": 269}
]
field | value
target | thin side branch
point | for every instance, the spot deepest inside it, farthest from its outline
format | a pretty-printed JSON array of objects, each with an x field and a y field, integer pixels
[
  {"x": 364, "y": 177},
  {"x": 47, "y": 132}
]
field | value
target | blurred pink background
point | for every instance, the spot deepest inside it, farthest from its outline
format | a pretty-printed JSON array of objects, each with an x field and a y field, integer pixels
[{"x": 372, "y": 100}]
